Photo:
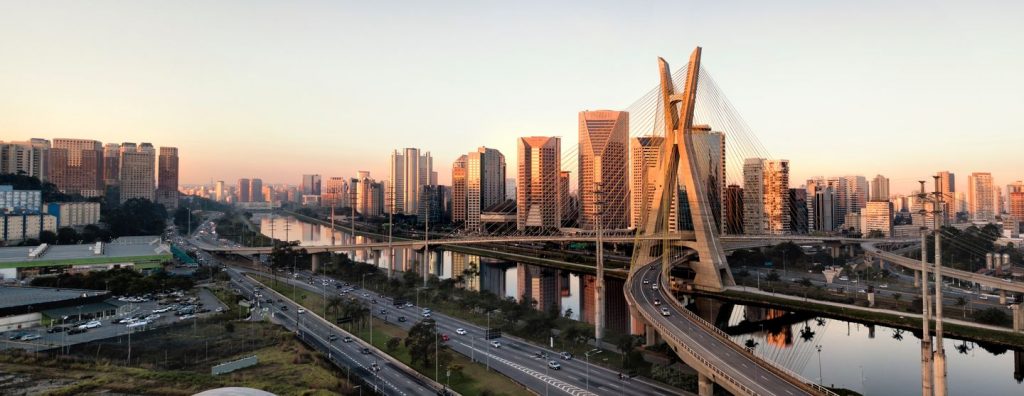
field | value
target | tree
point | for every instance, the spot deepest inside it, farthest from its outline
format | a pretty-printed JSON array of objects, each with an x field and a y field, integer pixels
[
  {"x": 421, "y": 342},
  {"x": 992, "y": 316},
  {"x": 136, "y": 216},
  {"x": 393, "y": 344},
  {"x": 772, "y": 276},
  {"x": 67, "y": 236},
  {"x": 875, "y": 234},
  {"x": 182, "y": 216},
  {"x": 48, "y": 237}
]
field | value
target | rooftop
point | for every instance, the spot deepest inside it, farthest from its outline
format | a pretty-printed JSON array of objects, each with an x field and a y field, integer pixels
[
  {"x": 21, "y": 296},
  {"x": 126, "y": 247}
]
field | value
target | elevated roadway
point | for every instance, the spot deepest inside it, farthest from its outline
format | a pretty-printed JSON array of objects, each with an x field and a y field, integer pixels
[{"x": 871, "y": 248}]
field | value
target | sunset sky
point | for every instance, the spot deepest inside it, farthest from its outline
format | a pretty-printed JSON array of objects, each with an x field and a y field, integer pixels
[{"x": 278, "y": 89}]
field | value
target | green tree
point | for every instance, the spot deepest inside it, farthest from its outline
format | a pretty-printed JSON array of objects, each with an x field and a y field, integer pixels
[
  {"x": 48, "y": 237},
  {"x": 393, "y": 344},
  {"x": 67, "y": 236},
  {"x": 421, "y": 342},
  {"x": 136, "y": 216},
  {"x": 992, "y": 316},
  {"x": 772, "y": 276}
]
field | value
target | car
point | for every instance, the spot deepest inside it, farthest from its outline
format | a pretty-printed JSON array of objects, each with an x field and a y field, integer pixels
[
  {"x": 654, "y": 287},
  {"x": 30, "y": 337},
  {"x": 409, "y": 305},
  {"x": 401, "y": 318},
  {"x": 301, "y": 311},
  {"x": 844, "y": 278},
  {"x": 152, "y": 317},
  {"x": 347, "y": 339},
  {"x": 374, "y": 367},
  {"x": 460, "y": 331},
  {"x": 496, "y": 344},
  {"x": 427, "y": 310},
  {"x": 566, "y": 355},
  {"x": 373, "y": 301},
  {"x": 647, "y": 282},
  {"x": 284, "y": 307},
  {"x": 383, "y": 312},
  {"x": 982, "y": 297},
  {"x": 444, "y": 337},
  {"x": 884, "y": 285},
  {"x": 365, "y": 351},
  {"x": 219, "y": 309},
  {"x": 76, "y": 330},
  {"x": 332, "y": 337},
  {"x": 554, "y": 365},
  {"x": 665, "y": 312},
  {"x": 92, "y": 324},
  {"x": 657, "y": 302},
  {"x": 426, "y": 314},
  {"x": 862, "y": 291},
  {"x": 365, "y": 295}
]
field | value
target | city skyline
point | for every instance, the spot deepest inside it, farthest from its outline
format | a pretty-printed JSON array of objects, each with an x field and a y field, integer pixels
[{"x": 216, "y": 113}]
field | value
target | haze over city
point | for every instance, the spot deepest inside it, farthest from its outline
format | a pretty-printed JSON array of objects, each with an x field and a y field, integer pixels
[{"x": 279, "y": 90}]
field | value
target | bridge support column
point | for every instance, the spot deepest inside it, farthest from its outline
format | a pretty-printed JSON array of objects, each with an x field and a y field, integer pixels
[
  {"x": 871, "y": 300},
  {"x": 1002, "y": 297},
  {"x": 917, "y": 278},
  {"x": 705, "y": 385},
  {"x": 316, "y": 263},
  {"x": 1018, "y": 317},
  {"x": 256, "y": 261},
  {"x": 651, "y": 335}
]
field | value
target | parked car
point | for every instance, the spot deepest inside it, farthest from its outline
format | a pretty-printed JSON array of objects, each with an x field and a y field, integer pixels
[{"x": 444, "y": 337}]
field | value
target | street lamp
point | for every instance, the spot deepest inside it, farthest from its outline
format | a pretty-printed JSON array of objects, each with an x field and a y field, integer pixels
[
  {"x": 587, "y": 354},
  {"x": 818, "y": 348}
]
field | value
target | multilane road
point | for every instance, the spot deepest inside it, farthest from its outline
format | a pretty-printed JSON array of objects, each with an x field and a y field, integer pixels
[{"x": 515, "y": 358}]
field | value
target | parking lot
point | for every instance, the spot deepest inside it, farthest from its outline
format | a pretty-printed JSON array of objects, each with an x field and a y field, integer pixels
[{"x": 107, "y": 327}]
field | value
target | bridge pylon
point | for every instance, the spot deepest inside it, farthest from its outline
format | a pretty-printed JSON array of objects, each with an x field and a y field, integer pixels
[{"x": 677, "y": 166}]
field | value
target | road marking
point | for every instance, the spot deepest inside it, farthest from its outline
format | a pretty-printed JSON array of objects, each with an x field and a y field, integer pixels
[{"x": 565, "y": 387}]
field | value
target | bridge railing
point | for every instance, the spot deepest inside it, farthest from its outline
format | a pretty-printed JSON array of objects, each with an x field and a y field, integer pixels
[{"x": 767, "y": 364}]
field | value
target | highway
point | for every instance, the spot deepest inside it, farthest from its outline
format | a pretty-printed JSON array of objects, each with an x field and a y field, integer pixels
[
  {"x": 984, "y": 280},
  {"x": 736, "y": 371},
  {"x": 391, "y": 379},
  {"x": 516, "y": 357}
]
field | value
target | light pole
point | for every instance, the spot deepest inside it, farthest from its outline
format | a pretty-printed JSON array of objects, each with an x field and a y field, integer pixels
[
  {"x": 818, "y": 348},
  {"x": 587, "y": 354},
  {"x": 486, "y": 331}
]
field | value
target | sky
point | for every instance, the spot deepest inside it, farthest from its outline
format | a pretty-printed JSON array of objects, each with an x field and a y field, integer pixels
[{"x": 278, "y": 89}]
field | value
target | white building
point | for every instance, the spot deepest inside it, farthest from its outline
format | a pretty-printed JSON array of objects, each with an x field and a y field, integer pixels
[
  {"x": 18, "y": 201},
  {"x": 410, "y": 171},
  {"x": 74, "y": 214},
  {"x": 15, "y": 228},
  {"x": 877, "y": 215},
  {"x": 766, "y": 197},
  {"x": 981, "y": 197}
]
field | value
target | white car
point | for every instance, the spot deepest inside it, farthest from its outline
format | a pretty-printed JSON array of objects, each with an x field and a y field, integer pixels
[
  {"x": 654, "y": 287},
  {"x": 137, "y": 324},
  {"x": 301, "y": 311},
  {"x": 460, "y": 331},
  {"x": 554, "y": 365},
  {"x": 426, "y": 314},
  {"x": 92, "y": 324},
  {"x": 495, "y": 344},
  {"x": 665, "y": 312}
]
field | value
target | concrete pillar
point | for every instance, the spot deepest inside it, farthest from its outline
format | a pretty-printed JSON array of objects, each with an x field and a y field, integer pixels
[
  {"x": 705, "y": 385},
  {"x": 988, "y": 260},
  {"x": 1002, "y": 297},
  {"x": 939, "y": 363},
  {"x": 651, "y": 336},
  {"x": 835, "y": 251},
  {"x": 917, "y": 278},
  {"x": 1018, "y": 317},
  {"x": 316, "y": 263},
  {"x": 871, "y": 299}
]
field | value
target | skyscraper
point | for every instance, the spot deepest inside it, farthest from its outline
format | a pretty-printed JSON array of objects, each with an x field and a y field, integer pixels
[
  {"x": 137, "y": 171},
  {"x": 880, "y": 188},
  {"x": 111, "y": 164},
  {"x": 565, "y": 209},
  {"x": 981, "y": 197},
  {"x": 31, "y": 158},
  {"x": 537, "y": 192},
  {"x": 734, "y": 210},
  {"x": 218, "y": 191},
  {"x": 256, "y": 190},
  {"x": 167, "y": 177},
  {"x": 369, "y": 194},
  {"x": 243, "y": 190},
  {"x": 856, "y": 193},
  {"x": 877, "y": 216},
  {"x": 709, "y": 148},
  {"x": 766, "y": 196},
  {"x": 643, "y": 162},
  {"x": 798, "y": 210},
  {"x": 947, "y": 186},
  {"x": 410, "y": 171},
  {"x": 311, "y": 185},
  {"x": 76, "y": 166},
  {"x": 603, "y": 137},
  {"x": 1016, "y": 209},
  {"x": 336, "y": 192},
  {"x": 821, "y": 206},
  {"x": 485, "y": 183},
  {"x": 459, "y": 189}
]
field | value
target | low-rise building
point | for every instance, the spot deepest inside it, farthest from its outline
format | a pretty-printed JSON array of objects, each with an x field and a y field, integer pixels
[
  {"x": 141, "y": 252},
  {"x": 15, "y": 228},
  {"x": 74, "y": 214},
  {"x": 19, "y": 201}
]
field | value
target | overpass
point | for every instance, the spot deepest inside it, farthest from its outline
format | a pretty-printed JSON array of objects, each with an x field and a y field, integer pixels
[{"x": 872, "y": 249}]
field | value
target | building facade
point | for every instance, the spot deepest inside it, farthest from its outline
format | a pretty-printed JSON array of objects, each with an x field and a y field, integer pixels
[
  {"x": 20, "y": 201},
  {"x": 643, "y": 164},
  {"x": 947, "y": 186},
  {"x": 138, "y": 177},
  {"x": 879, "y": 188},
  {"x": 74, "y": 214},
  {"x": 167, "y": 178},
  {"x": 16, "y": 228},
  {"x": 30, "y": 158},
  {"x": 602, "y": 181},
  {"x": 76, "y": 166},
  {"x": 410, "y": 171},
  {"x": 244, "y": 190},
  {"x": 485, "y": 184},
  {"x": 981, "y": 197},
  {"x": 877, "y": 216},
  {"x": 766, "y": 197},
  {"x": 459, "y": 174},
  {"x": 537, "y": 190}
]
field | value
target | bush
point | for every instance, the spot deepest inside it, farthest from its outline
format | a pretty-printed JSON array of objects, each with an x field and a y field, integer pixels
[{"x": 992, "y": 316}]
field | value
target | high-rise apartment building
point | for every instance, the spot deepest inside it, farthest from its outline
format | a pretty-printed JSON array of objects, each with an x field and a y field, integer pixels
[
  {"x": 485, "y": 184},
  {"x": 879, "y": 188},
  {"x": 821, "y": 206},
  {"x": 798, "y": 210},
  {"x": 877, "y": 216},
  {"x": 256, "y": 190},
  {"x": 219, "y": 191},
  {"x": 167, "y": 177},
  {"x": 410, "y": 171},
  {"x": 111, "y": 164},
  {"x": 766, "y": 197},
  {"x": 459, "y": 189},
  {"x": 604, "y": 138},
  {"x": 981, "y": 197},
  {"x": 1016, "y": 207},
  {"x": 947, "y": 186},
  {"x": 857, "y": 193},
  {"x": 537, "y": 191},
  {"x": 311, "y": 185},
  {"x": 244, "y": 190},
  {"x": 137, "y": 171},
  {"x": 369, "y": 194},
  {"x": 31, "y": 158},
  {"x": 734, "y": 210},
  {"x": 76, "y": 166},
  {"x": 336, "y": 192}
]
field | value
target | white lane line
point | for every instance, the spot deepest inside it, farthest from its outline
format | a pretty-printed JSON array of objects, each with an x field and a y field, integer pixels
[{"x": 563, "y": 386}]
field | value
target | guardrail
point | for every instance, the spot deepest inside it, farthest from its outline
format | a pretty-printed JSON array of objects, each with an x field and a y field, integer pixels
[
  {"x": 719, "y": 374},
  {"x": 769, "y": 365}
]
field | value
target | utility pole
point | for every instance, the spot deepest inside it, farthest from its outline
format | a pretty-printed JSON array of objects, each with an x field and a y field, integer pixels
[
  {"x": 599, "y": 290},
  {"x": 926, "y": 339},
  {"x": 939, "y": 359},
  {"x": 391, "y": 226}
]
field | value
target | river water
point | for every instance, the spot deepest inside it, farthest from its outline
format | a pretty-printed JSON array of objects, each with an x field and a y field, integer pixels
[{"x": 872, "y": 360}]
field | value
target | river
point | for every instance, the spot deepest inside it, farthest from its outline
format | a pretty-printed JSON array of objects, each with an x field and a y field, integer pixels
[{"x": 872, "y": 360}]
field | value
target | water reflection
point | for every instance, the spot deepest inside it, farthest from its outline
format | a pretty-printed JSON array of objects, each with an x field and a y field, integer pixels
[{"x": 873, "y": 360}]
